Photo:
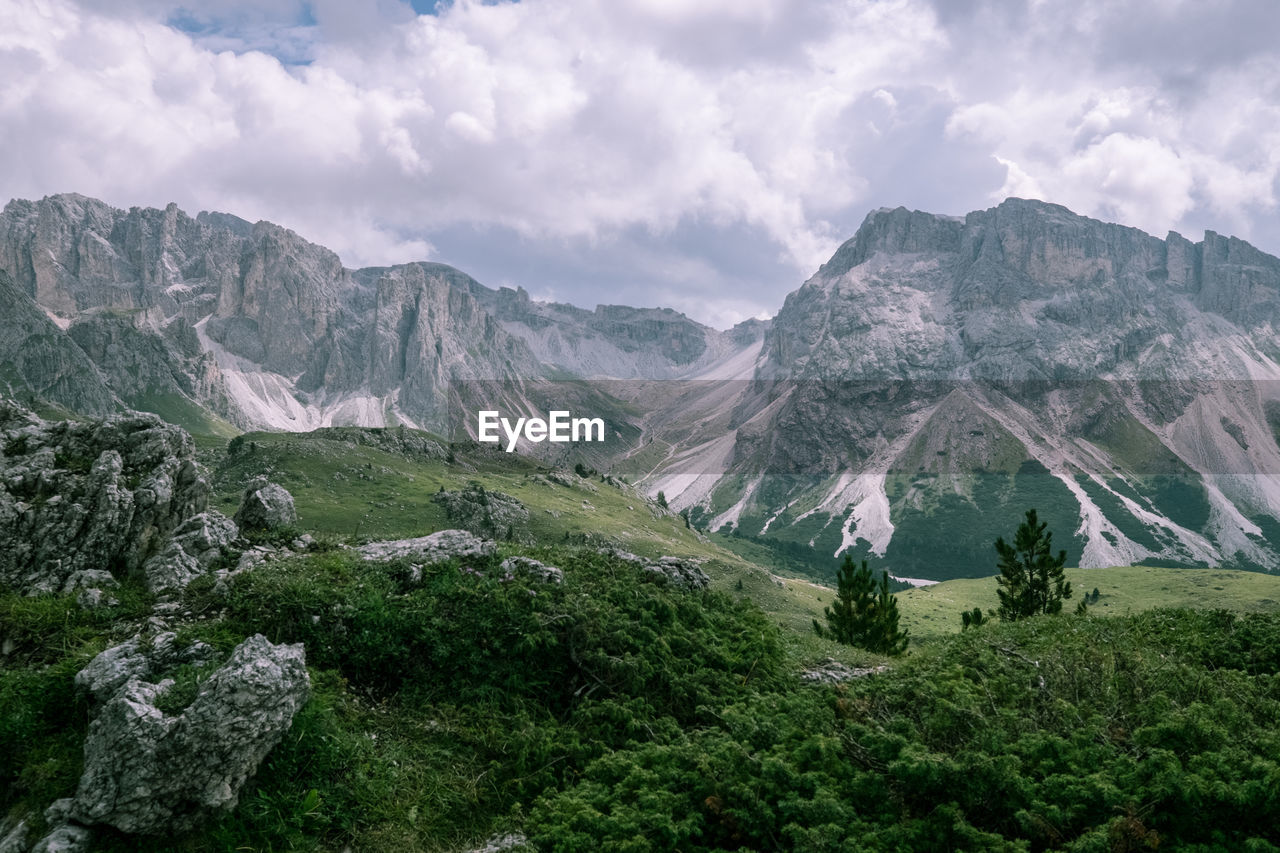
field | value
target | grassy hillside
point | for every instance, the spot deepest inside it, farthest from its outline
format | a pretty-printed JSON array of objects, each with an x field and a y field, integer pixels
[
  {"x": 346, "y": 487},
  {"x": 611, "y": 712},
  {"x": 1123, "y": 590}
]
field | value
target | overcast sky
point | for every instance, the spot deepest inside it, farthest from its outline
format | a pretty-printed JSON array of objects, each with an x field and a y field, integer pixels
[{"x": 706, "y": 155}]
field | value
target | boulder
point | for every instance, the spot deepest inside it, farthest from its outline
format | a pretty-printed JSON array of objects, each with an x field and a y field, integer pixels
[
  {"x": 831, "y": 671},
  {"x": 192, "y": 550},
  {"x": 678, "y": 572},
  {"x": 435, "y": 548},
  {"x": 265, "y": 506},
  {"x": 528, "y": 567},
  {"x": 148, "y": 772}
]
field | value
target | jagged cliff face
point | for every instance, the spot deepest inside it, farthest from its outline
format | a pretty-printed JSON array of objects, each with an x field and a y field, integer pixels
[
  {"x": 615, "y": 341},
  {"x": 212, "y": 318},
  {"x": 940, "y": 374},
  {"x": 249, "y": 321},
  {"x": 937, "y": 377}
]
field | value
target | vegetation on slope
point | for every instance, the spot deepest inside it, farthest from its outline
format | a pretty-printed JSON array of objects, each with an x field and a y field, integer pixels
[{"x": 613, "y": 712}]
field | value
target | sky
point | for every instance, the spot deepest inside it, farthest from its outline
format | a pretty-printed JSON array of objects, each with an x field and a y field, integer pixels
[{"x": 705, "y": 156}]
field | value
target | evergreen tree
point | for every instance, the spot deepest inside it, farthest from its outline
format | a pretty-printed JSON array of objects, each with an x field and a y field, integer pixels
[
  {"x": 662, "y": 500},
  {"x": 864, "y": 613},
  {"x": 885, "y": 636},
  {"x": 1031, "y": 579}
]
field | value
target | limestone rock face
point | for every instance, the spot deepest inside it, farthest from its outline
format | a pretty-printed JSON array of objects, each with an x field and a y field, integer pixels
[
  {"x": 90, "y": 496},
  {"x": 434, "y": 548},
  {"x": 250, "y": 321},
  {"x": 613, "y": 341},
  {"x": 941, "y": 374},
  {"x": 147, "y": 772},
  {"x": 266, "y": 506},
  {"x": 38, "y": 359}
]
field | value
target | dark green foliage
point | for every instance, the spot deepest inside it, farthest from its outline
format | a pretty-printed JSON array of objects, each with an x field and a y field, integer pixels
[
  {"x": 613, "y": 713},
  {"x": 865, "y": 613},
  {"x": 1106, "y": 734},
  {"x": 662, "y": 500},
  {"x": 464, "y": 632},
  {"x": 973, "y": 520},
  {"x": 974, "y": 618},
  {"x": 1031, "y": 579}
]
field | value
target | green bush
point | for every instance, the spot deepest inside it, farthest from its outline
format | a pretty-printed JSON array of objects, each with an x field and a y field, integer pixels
[{"x": 1042, "y": 734}]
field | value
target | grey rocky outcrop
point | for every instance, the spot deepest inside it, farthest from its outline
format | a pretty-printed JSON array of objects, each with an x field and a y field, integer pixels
[
  {"x": 435, "y": 548},
  {"x": 503, "y": 843},
  {"x": 149, "y": 772},
  {"x": 678, "y": 572},
  {"x": 265, "y": 506},
  {"x": 832, "y": 671},
  {"x": 191, "y": 551},
  {"x": 482, "y": 511},
  {"x": 92, "y": 588},
  {"x": 530, "y": 567},
  {"x": 16, "y": 837},
  {"x": 100, "y": 496}
]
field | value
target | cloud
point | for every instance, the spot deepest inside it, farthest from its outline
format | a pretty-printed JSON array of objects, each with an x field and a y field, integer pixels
[{"x": 598, "y": 137}]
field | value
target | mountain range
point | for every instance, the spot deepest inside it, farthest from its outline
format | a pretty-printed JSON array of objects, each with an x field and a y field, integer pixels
[{"x": 935, "y": 378}]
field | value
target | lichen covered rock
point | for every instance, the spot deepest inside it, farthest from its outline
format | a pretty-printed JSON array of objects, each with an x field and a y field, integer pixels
[
  {"x": 678, "y": 572},
  {"x": 99, "y": 496},
  {"x": 528, "y": 567},
  {"x": 149, "y": 772}
]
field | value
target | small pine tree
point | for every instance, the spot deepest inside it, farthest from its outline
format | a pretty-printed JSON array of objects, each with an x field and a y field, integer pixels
[
  {"x": 848, "y": 616},
  {"x": 974, "y": 618},
  {"x": 662, "y": 500},
  {"x": 886, "y": 637},
  {"x": 864, "y": 613},
  {"x": 1031, "y": 579}
]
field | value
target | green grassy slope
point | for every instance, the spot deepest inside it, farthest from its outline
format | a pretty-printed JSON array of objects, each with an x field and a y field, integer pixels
[
  {"x": 346, "y": 489},
  {"x": 1124, "y": 589}
]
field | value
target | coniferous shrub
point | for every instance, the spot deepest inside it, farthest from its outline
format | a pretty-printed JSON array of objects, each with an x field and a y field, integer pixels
[
  {"x": 865, "y": 613},
  {"x": 1031, "y": 578}
]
